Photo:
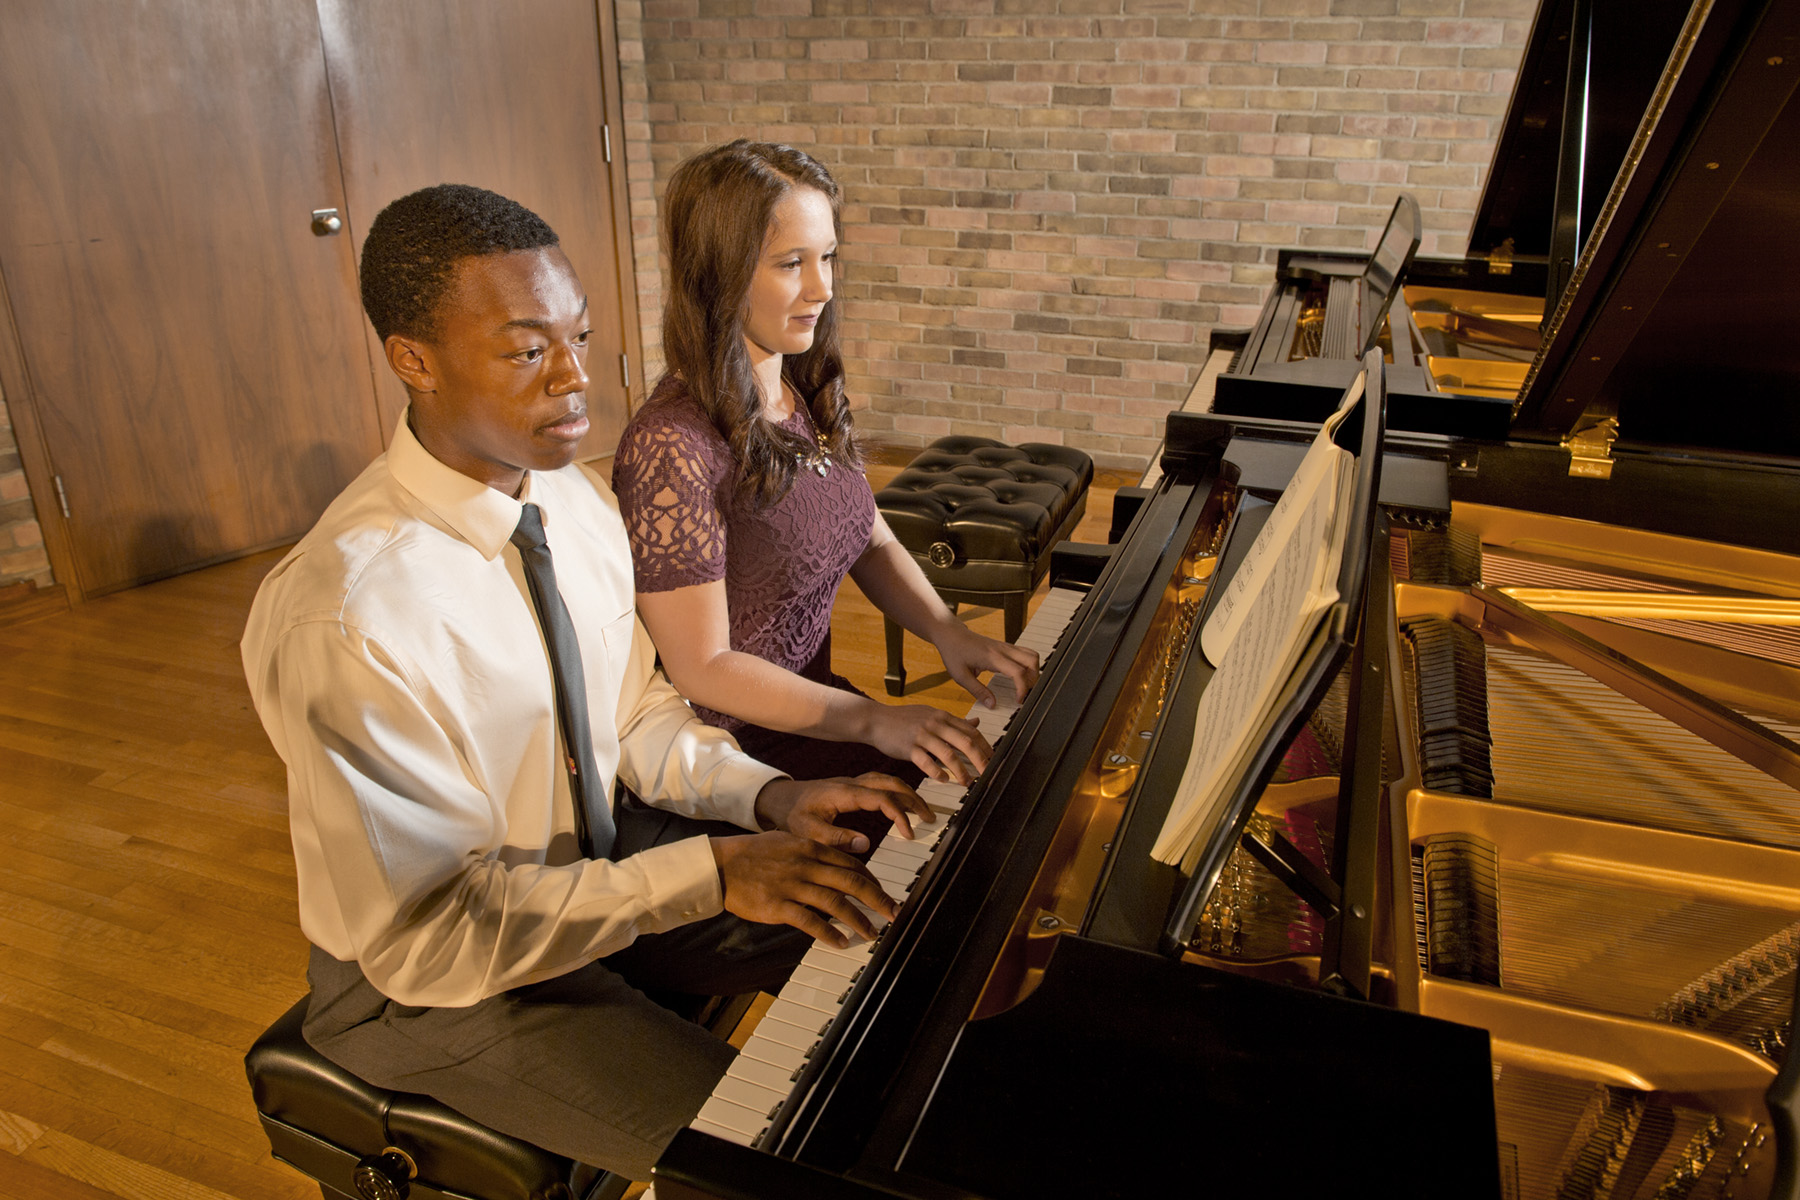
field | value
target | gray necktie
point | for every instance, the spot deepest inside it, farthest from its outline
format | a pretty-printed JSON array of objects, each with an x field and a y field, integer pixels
[{"x": 593, "y": 821}]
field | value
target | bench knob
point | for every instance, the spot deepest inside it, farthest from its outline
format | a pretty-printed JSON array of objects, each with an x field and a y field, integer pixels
[{"x": 385, "y": 1176}]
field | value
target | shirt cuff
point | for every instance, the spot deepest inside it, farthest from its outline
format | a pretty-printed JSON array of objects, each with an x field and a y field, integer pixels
[
  {"x": 681, "y": 883},
  {"x": 735, "y": 788}
]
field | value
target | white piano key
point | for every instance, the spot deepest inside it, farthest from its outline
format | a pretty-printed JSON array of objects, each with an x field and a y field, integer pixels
[
  {"x": 808, "y": 975},
  {"x": 919, "y": 829},
  {"x": 902, "y": 891},
  {"x": 875, "y": 920},
  {"x": 836, "y": 966},
  {"x": 993, "y": 728},
  {"x": 856, "y": 939},
  {"x": 999, "y": 716},
  {"x": 900, "y": 850},
  {"x": 893, "y": 844},
  {"x": 909, "y": 859},
  {"x": 926, "y": 832},
  {"x": 751, "y": 1097},
  {"x": 797, "y": 1037},
  {"x": 767, "y": 1076},
  {"x": 718, "y": 1131},
  {"x": 733, "y": 1116},
  {"x": 794, "y": 1014},
  {"x": 822, "y": 1000},
  {"x": 923, "y": 834},
  {"x": 855, "y": 957},
  {"x": 893, "y": 879},
  {"x": 945, "y": 797},
  {"x": 924, "y": 845},
  {"x": 991, "y": 722},
  {"x": 772, "y": 1053}
]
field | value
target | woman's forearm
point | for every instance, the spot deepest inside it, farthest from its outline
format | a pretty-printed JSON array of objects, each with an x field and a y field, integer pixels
[
  {"x": 890, "y": 577},
  {"x": 691, "y": 629},
  {"x": 894, "y": 583}
]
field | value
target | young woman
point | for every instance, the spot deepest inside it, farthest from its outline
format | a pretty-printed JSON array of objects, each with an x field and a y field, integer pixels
[{"x": 743, "y": 492}]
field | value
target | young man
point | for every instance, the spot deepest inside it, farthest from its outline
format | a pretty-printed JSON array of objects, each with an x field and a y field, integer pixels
[{"x": 476, "y": 937}]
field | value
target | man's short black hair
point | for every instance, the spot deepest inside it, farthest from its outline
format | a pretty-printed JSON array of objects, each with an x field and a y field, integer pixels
[{"x": 416, "y": 241}]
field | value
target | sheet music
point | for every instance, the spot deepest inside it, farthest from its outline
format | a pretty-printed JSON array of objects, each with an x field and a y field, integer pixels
[
  {"x": 1276, "y": 598},
  {"x": 1318, "y": 469}
]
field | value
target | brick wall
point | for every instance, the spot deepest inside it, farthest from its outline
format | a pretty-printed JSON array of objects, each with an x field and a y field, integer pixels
[
  {"x": 1051, "y": 202},
  {"x": 22, "y": 554}
]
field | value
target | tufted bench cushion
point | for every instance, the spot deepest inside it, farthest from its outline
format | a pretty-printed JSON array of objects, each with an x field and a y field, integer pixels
[
  {"x": 981, "y": 517},
  {"x": 323, "y": 1121}
]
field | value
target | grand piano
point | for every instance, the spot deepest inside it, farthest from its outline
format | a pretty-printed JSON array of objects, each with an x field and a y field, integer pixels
[{"x": 1504, "y": 899}]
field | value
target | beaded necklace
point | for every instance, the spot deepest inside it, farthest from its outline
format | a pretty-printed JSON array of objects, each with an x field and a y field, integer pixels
[{"x": 819, "y": 458}]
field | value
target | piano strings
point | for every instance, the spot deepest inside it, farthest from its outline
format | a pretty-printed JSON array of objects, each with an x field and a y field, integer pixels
[{"x": 1582, "y": 858}]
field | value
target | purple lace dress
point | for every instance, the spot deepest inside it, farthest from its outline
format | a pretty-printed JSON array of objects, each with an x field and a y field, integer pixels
[{"x": 782, "y": 565}]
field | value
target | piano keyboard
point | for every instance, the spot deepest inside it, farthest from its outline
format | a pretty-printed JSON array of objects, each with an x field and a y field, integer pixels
[{"x": 746, "y": 1100}]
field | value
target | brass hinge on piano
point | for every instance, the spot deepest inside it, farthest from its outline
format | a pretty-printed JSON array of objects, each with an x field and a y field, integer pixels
[{"x": 1590, "y": 447}]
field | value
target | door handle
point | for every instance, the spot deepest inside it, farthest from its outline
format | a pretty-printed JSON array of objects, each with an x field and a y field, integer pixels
[{"x": 325, "y": 222}]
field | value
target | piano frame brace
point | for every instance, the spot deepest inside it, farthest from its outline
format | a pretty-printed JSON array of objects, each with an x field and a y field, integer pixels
[{"x": 1298, "y": 873}]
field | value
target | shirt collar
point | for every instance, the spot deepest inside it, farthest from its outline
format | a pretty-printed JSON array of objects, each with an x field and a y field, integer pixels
[{"x": 480, "y": 515}]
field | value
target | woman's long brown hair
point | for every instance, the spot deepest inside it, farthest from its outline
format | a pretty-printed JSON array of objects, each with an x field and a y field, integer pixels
[{"x": 717, "y": 214}]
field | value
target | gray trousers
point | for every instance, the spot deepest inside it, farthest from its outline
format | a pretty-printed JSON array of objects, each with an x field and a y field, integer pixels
[{"x": 588, "y": 1065}]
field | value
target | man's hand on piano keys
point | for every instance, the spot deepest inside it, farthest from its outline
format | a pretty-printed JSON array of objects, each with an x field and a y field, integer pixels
[
  {"x": 809, "y": 808},
  {"x": 967, "y": 653},
  {"x": 785, "y": 879}
]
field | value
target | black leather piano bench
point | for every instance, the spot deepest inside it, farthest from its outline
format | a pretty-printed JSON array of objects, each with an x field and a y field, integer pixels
[
  {"x": 360, "y": 1141},
  {"x": 981, "y": 518}
]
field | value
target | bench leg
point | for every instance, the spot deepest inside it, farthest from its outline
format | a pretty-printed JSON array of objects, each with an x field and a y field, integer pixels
[
  {"x": 1014, "y": 607},
  {"x": 896, "y": 648}
]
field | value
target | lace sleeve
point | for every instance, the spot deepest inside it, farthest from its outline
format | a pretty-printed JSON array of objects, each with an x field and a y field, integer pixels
[{"x": 667, "y": 479}]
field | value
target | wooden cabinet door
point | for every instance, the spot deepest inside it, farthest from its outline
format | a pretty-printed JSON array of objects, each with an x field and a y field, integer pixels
[
  {"x": 503, "y": 94},
  {"x": 192, "y": 352}
]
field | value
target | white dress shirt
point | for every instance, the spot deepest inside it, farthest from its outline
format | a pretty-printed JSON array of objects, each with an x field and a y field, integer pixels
[{"x": 395, "y": 660}]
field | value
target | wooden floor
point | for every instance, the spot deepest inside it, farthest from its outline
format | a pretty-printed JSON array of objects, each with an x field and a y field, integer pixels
[{"x": 147, "y": 913}]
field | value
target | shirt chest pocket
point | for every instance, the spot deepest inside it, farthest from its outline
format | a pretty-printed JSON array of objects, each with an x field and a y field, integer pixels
[{"x": 610, "y": 661}]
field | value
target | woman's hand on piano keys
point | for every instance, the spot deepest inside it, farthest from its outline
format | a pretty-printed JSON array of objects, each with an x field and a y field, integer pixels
[
  {"x": 966, "y": 654},
  {"x": 942, "y": 746},
  {"x": 785, "y": 879},
  {"x": 810, "y": 808}
]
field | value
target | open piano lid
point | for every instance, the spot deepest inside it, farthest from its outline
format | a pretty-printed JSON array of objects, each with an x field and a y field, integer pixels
[{"x": 1675, "y": 329}]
